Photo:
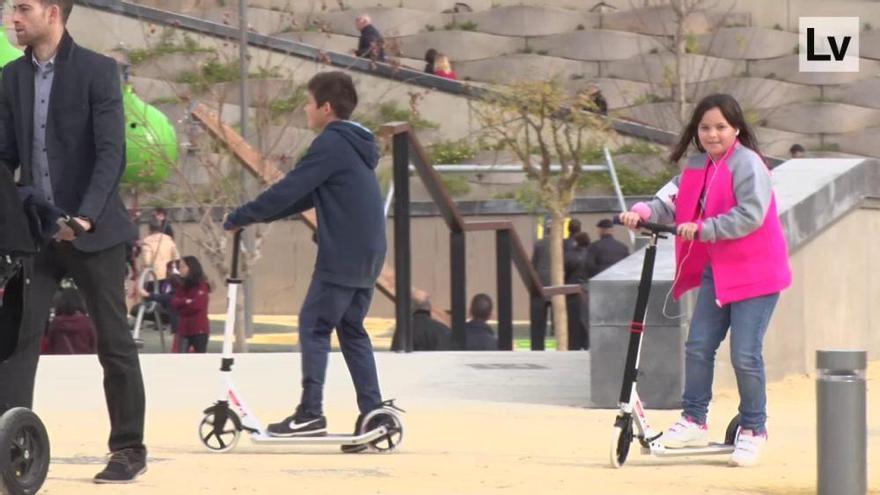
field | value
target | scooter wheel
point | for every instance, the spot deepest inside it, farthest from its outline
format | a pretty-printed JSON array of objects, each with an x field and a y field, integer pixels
[
  {"x": 24, "y": 452},
  {"x": 732, "y": 430},
  {"x": 621, "y": 440},
  {"x": 219, "y": 431},
  {"x": 390, "y": 419}
]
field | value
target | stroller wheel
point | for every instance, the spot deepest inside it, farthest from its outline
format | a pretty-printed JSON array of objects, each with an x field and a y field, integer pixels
[{"x": 24, "y": 452}]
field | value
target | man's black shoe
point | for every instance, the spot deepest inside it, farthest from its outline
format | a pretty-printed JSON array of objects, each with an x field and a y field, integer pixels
[{"x": 124, "y": 467}]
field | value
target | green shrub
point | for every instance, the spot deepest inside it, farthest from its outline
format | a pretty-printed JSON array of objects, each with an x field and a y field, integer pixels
[
  {"x": 456, "y": 185},
  {"x": 632, "y": 182},
  {"x": 215, "y": 71},
  {"x": 448, "y": 152},
  {"x": 166, "y": 45},
  {"x": 282, "y": 106}
]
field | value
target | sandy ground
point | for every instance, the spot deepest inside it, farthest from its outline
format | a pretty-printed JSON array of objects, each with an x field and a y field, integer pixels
[{"x": 451, "y": 447}]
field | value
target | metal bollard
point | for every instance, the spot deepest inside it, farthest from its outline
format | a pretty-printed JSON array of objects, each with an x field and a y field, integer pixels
[{"x": 842, "y": 436}]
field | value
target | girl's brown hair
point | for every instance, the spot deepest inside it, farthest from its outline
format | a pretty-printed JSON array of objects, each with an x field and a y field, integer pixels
[{"x": 732, "y": 113}]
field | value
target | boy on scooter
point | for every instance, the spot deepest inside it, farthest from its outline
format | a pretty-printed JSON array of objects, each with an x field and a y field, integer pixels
[{"x": 337, "y": 177}]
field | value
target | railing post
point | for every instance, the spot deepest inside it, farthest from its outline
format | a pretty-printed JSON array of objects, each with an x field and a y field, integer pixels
[
  {"x": 402, "y": 252},
  {"x": 458, "y": 287},
  {"x": 538, "y": 320},
  {"x": 504, "y": 290}
]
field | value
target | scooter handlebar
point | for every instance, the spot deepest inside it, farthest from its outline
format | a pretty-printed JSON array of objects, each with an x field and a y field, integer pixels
[
  {"x": 236, "y": 251},
  {"x": 653, "y": 227}
]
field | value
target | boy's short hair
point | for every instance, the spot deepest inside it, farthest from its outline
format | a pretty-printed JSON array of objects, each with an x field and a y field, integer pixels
[
  {"x": 335, "y": 88},
  {"x": 481, "y": 307}
]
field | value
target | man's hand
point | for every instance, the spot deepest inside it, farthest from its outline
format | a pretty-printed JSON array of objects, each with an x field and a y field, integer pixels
[
  {"x": 65, "y": 233},
  {"x": 84, "y": 223}
]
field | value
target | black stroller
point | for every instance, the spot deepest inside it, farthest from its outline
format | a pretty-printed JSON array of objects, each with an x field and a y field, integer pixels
[{"x": 26, "y": 223}]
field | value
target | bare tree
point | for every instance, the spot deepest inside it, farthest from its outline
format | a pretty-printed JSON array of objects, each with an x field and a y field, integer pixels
[
  {"x": 679, "y": 41},
  {"x": 207, "y": 179},
  {"x": 543, "y": 125}
]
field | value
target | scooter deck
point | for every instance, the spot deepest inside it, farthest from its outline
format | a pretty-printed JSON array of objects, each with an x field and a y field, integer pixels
[
  {"x": 712, "y": 448},
  {"x": 330, "y": 439}
]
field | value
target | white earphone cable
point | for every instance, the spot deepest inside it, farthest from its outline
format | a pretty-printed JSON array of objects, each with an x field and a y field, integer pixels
[{"x": 702, "y": 200}]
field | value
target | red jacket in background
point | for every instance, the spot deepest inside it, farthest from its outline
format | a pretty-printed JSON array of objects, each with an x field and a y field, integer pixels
[
  {"x": 448, "y": 75},
  {"x": 70, "y": 334},
  {"x": 191, "y": 306}
]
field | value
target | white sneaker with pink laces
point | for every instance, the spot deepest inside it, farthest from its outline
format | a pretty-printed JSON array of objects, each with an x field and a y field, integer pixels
[
  {"x": 686, "y": 433},
  {"x": 748, "y": 448}
]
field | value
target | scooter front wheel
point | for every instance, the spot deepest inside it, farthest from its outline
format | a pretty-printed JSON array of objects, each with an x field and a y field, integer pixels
[
  {"x": 621, "y": 440},
  {"x": 219, "y": 431}
]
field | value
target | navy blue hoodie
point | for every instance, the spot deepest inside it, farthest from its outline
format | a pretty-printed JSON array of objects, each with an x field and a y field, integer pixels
[{"x": 337, "y": 177}]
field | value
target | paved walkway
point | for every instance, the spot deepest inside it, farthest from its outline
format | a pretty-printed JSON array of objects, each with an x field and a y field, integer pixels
[{"x": 476, "y": 423}]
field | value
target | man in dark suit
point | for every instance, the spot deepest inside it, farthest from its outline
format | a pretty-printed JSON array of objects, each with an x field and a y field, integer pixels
[
  {"x": 62, "y": 123},
  {"x": 607, "y": 250}
]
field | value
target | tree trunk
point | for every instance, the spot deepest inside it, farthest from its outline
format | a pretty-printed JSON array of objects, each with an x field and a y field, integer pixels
[{"x": 557, "y": 277}]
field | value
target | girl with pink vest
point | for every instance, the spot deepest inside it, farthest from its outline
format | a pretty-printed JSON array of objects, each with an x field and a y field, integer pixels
[{"x": 731, "y": 246}]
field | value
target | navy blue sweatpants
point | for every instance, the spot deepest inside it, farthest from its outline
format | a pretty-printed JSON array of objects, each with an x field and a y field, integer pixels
[{"x": 328, "y": 306}]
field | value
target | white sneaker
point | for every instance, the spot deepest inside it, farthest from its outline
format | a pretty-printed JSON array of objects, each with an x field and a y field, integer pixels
[
  {"x": 748, "y": 448},
  {"x": 686, "y": 433}
]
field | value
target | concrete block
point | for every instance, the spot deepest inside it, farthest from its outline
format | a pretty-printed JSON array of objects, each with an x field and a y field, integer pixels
[{"x": 661, "y": 375}]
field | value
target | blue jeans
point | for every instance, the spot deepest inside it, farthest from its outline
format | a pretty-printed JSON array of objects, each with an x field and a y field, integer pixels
[
  {"x": 747, "y": 321},
  {"x": 328, "y": 306}
]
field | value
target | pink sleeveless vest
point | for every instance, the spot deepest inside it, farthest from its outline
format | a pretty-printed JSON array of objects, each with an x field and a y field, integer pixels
[{"x": 751, "y": 266}]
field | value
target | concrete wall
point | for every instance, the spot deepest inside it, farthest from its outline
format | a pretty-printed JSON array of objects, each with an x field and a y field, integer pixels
[
  {"x": 785, "y": 13},
  {"x": 832, "y": 303},
  {"x": 102, "y": 31},
  {"x": 288, "y": 257}
]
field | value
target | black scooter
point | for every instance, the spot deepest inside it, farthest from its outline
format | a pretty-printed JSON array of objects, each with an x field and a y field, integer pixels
[{"x": 631, "y": 408}]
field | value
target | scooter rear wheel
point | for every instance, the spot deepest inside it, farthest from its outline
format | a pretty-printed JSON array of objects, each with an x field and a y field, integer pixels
[
  {"x": 389, "y": 418},
  {"x": 732, "y": 430},
  {"x": 25, "y": 452},
  {"x": 621, "y": 440},
  {"x": 219, "y": 432}
]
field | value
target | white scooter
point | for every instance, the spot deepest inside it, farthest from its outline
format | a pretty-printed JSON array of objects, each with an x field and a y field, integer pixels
[
  {"x": 631, "y": 408},
  {"x": 381, "y": 430}
]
